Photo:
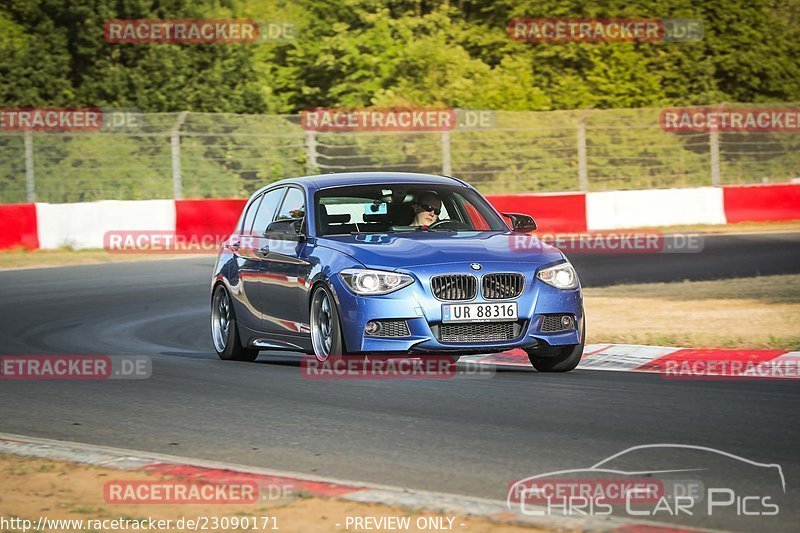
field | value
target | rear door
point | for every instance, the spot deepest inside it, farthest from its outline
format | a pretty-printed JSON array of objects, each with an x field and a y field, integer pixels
[
  {"x": 253, "y": 253},
  {"x": 246, "y": 314}
]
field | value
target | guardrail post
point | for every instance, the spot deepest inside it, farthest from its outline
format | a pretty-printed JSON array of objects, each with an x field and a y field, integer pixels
[
  {"x": 583, "y": 172},
  {"x": 447, "y": 168},
  {"x": 175, "y": 142},
  {"x": 30, "y": 183},
  {"x": 311, "y": 152},
  {"x": 713, "y": 147}
]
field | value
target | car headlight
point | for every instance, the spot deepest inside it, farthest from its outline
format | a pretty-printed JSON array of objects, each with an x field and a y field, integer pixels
[
  {"x": 366, "y": 282},
  {"x": 561, "y": 276}
]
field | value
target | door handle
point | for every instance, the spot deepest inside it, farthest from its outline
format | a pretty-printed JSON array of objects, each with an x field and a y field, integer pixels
[{"x": 264, "y": 250}]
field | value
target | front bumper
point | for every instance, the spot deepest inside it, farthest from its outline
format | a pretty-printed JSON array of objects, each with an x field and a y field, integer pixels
[{"x": 423, "y": 314}]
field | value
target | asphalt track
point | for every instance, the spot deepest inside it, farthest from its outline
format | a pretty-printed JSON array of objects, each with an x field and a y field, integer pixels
[
  {"x": 723, "y": 256},
  {"x": 464, "y": 436}
]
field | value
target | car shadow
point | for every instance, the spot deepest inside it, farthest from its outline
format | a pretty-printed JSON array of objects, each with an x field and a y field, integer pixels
[{"x": 295, "y": 359}]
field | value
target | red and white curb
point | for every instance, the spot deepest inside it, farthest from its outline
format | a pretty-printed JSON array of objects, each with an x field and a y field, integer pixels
[
  {"x": 672, "y": 362},
  {"x": 213, "y": 472}
]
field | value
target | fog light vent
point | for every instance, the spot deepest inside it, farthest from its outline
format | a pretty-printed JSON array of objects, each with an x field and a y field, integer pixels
[
  {"x": 387, "y": 328},
  {"x": 555, "y": 323}
]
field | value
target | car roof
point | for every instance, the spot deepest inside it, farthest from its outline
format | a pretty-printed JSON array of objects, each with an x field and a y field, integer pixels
[{"x": 320, "y": 181}]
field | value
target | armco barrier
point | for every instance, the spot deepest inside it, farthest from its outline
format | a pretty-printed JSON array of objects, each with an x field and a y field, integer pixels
[
  {"x": 83, "y": 225},
  {"x": 755, "y": 203},
  {"x": 18, "y": 226},
  {"x": 552, "y": 212}
]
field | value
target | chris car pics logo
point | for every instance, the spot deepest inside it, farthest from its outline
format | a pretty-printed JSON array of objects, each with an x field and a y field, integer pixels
[{"x": 655, "y": 481}]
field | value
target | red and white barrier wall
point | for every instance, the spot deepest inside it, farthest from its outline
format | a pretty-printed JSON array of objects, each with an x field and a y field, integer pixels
[
  {"x": 562, "y": 213},
  {"x": 746, "y": 203},
  {"x": 83, "y": 225},
  {"x": 594, "y": 211},
  {"x": 18, "y": 227}
]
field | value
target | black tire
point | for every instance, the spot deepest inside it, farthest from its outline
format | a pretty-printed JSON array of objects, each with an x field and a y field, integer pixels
[
  {"x": 558, "y": 358},
  {"x": 324, "y": 321},
  {"x": 226, "y": 340}
]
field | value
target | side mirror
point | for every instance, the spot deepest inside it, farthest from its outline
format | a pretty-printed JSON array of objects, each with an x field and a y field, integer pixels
[
  {"x": 521, "y": 223},
  {"x": 288, "y": 229}
]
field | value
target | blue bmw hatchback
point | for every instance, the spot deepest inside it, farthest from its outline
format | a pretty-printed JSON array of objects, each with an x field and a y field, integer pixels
[{"x": 391, "y": 264}]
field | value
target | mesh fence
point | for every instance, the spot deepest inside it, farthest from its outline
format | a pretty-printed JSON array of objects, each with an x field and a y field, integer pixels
[{"x": 197, "y": 155}]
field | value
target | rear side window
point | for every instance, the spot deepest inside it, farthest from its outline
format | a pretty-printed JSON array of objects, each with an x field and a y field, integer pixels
[
  {"x": 250, "y": 215},
  {"x": 266, "y": 210}
]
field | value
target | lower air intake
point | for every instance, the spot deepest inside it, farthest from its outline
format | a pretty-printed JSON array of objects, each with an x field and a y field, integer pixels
[{"x": 479, "y": 332}]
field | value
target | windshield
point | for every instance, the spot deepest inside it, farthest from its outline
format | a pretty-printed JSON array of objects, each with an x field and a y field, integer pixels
[{"x": 388, "y": 208}]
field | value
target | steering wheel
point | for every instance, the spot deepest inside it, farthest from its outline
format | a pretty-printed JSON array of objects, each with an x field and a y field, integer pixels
[{"x": 450, "y": 224}]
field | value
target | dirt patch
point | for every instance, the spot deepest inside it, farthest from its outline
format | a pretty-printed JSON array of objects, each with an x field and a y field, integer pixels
[
  {"x": 738, "y": 313},
  {"x": 59, "y": 490},
  {"x": 10, "y": 259}
]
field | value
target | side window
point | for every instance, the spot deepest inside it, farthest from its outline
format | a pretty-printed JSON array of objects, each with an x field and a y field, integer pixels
[
  {"x": 476, "y": 220},
  {"x": 250, "y": 215},
  {"x": 294, "y": 206},
  {"x": 266, "y": 210}
]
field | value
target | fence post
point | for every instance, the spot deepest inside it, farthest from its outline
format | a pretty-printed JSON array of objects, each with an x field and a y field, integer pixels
[
  {"x": 713, "y": 146},
  {"x": 311, "y": 152},
  {"x": 583, "y": 172},
  {"x": 175, "y": 141},
  {"x": 30, "y": 183},
  {"x": 447, "y": 168}
]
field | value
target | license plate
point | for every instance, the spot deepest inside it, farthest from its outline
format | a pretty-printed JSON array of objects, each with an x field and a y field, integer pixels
[{"x": 494, "y": 312}]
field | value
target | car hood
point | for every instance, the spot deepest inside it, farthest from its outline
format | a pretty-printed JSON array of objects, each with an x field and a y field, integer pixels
[{"x": 402, "y": 250}]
